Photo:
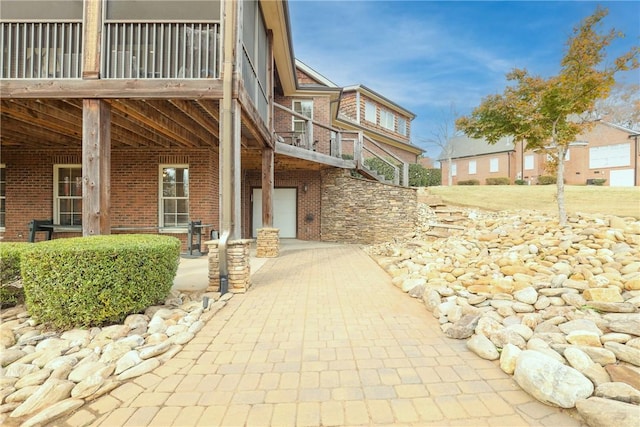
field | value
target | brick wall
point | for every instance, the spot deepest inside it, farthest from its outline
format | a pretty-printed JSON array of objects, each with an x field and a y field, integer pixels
[
  {"x": 308, "y": 203},
  {"x": 134, "y": 186},
  {"x": 361, "y": 211}
]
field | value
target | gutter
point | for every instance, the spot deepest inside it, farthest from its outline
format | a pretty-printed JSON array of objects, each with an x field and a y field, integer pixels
[{"x": 226, "y": 152}]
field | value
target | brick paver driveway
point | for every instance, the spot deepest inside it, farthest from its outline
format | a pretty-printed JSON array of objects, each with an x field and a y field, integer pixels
[{"x": 323, "y": 338}]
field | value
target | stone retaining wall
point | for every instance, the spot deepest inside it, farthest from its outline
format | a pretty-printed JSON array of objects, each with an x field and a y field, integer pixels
[
  {"x": 268, "y": 243},
  {"x": 237, "y": 264},
  {"x": 356, "y": 210}
]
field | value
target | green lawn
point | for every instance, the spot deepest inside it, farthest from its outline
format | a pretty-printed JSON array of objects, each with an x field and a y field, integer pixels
[{"x": 621, "y": 201}]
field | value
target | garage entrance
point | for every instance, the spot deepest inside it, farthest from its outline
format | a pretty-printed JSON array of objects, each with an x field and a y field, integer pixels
[{"x": 285, "y": 213}]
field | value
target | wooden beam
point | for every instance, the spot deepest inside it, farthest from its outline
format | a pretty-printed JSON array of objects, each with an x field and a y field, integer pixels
[
  {"x": 149, "y": 117},
  {"x": 252, "y": 119},
  {"x": 267, "y": 187},
  {"x": 112, "y": 88},
  {"x": 313, "y": 156},
  {"x": 210, "y": 124},
  {"x": 41, "y": 115},
  {"x": 198, "y": 135},
  {"x": 123, "y": 130},
  {"x": 96, "y": 167},
  {"x": 38, "y": 134},
  {"x": 92, "y": 31}
]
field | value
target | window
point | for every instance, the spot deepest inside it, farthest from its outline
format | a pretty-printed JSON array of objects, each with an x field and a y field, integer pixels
[
  {"x": 174, "y": 196},
  {"x": 387, "y": 120},
  {"x": 3, "y": 195},
  {"x": 494, "y": 165},
  {"x": 528, "y": 162},
  {"x": 369, "y": 111},
  {"x": 454, "y": 169},
  {"x": 402, "y": 126},
  {"x": 610, "y": 156},
  {"x": 472, "y": 167},
  {"x": 305, "y": 108},
  {"x": 67, "y": 195}
]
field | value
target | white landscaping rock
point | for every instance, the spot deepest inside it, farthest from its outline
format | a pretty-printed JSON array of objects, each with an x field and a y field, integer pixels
[{"x": 550, "y": 381}]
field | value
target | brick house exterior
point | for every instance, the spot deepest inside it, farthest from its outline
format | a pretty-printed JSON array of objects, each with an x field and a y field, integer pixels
[
  {"x": 157, "y": 134},
  {"x": 606, "y": 151}
]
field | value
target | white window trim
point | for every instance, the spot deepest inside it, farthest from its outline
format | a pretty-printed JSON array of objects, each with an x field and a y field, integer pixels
[
  {"x": 56, "y": 195},
  {"x": 402, "y": 130},
  {"x": 454, "y": 169},
  {"x": 162, "y": 228},
  {"x": 384, "y": 116},
  {"x": 494, "y": 164},
  {"x": 374, "y": 112},
  {"x": 473, "y": 167},
  {"x": 295, "y": 119},
  {"x": 3, "y": 166},
  {"x": 529, "y": 162}
]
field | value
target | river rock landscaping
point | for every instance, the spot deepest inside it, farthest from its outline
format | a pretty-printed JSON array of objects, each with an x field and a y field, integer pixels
[
  {"x": 48, "y": 374},
  {"x": 556, "y": 307}
]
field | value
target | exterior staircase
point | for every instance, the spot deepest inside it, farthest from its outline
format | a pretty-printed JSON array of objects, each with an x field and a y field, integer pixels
[{"x": 447, "y": 218}]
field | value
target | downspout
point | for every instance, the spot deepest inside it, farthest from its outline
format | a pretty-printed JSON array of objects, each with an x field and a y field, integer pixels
[{"x": 226, "y": 174}]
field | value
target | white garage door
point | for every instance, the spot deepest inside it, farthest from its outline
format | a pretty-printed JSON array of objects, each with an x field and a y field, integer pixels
[
  {"x": 284, "y": 211},
  {"x": 621, "y": 178}
]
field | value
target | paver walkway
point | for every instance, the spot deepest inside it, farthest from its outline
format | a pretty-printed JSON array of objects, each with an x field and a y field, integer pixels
[{"x": 323, "y": 338}]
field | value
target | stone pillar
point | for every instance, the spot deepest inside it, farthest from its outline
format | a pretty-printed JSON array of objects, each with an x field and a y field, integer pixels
[
  {"x": 268, "y": 243},
  {"x": 239, "y": 268}
]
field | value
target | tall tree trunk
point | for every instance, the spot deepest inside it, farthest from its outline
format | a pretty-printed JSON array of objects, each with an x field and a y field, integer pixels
[
  {"x": 450, "y": 172},
  {"x": 562, "y": 213}
]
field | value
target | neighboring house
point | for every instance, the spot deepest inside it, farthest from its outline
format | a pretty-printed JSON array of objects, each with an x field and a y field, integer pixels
[
  {"x": 607, "y": 151},
  {"x": 143, "y": 116}
]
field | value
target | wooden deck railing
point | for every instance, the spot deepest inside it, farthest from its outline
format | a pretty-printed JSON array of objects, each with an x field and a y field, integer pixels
[
  {"x": 41, "y": 50},
  {"x": 366, "y": 153},
  {"x": 152, "y": 50}
]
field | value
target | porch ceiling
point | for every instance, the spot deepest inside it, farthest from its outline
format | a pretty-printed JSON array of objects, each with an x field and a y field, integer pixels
[{"x": 57, "y": 123}]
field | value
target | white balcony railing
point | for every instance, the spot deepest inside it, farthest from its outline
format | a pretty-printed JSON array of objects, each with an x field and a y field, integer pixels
[
  {"x": 41, "y": 50},
  {"x": 151, "y": 50}
]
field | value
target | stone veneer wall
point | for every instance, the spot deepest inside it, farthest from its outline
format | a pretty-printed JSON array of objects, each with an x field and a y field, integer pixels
[
  {"x": 356, "y": 210},
  {"x": 237, "y": 264},
  {"x": 268, "y": 243}
]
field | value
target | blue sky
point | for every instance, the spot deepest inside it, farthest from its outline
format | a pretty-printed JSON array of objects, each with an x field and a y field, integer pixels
[{"x": 429, "y": 55}]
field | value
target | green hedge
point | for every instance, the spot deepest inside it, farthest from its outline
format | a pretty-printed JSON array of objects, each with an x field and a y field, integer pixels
[
  {"x": 520, "y": 182},
  {"x": 469, "y": 182},
  {"x": 501, "y": 180},
  {"x": 10, "y": 257},
  {"x": 419, "y": 176},
  {"x": 546, "y": 180},
  {"x": 92, "y": 281}
]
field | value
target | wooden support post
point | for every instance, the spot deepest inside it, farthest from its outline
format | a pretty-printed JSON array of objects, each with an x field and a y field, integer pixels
[
  {"x": 92, "y": 29},
  {"x": 96, "y": 167},
  {"x": 267, "y": 187}
]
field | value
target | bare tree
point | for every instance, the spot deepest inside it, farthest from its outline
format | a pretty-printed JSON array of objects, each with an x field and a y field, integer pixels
[
  {"x": 442, "y": 136},
  {"x": 621, "y": 107}
]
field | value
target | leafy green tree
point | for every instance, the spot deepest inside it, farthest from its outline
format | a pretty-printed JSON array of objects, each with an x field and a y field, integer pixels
[{"x": 545, "y": 112}]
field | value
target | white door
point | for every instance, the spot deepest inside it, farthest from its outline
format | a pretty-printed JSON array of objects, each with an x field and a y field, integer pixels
[
  {"x": 284, "y": 211},
  {"x": 621, "y": 178}
]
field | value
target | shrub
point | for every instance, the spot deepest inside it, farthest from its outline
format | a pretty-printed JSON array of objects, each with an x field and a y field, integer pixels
[
  {"x": 10, "y": 257},
  {"x": 91, "y": 281},
  {"x": 520, "y": 182},
  {"x": 546, "y": 180},
  {"x": 598, "y": 181},
  {"x": 419, "y": 176},
  {"x": 469, "y": 182},
  {"x": 502, "y": 180}
]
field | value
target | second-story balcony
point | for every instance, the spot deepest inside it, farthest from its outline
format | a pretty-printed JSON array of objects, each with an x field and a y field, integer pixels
[
  {"x": 130, "y": 50},
  {"x": 41, "y": 50},
  {"x": 152, "y": 50}
]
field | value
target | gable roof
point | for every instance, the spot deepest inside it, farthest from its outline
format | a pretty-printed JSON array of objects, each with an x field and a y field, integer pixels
[
  {"x": 381, "y": 99},
  {"x": 464, "y": 146}
]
